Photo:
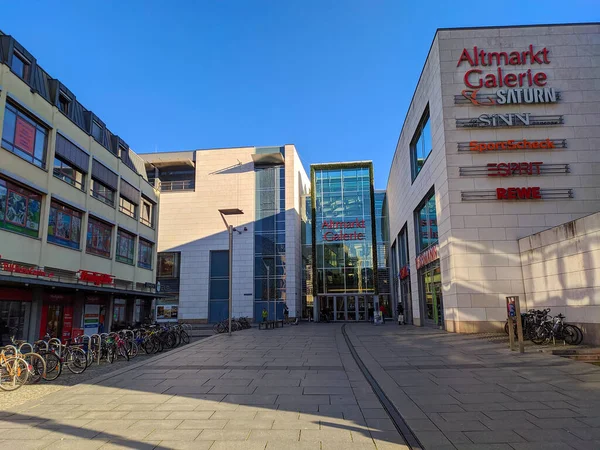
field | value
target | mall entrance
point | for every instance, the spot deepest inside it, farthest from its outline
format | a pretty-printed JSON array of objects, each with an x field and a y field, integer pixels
[{"x": 345, "y": 308}]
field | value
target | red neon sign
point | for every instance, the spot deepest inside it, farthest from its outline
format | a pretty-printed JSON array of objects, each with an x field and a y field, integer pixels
[
  {"x": 331, "y": 236},
  {"x": 95, "y": 277},
  {"x": 524, "y": 144},
  {"x": 427, "y": 257},
  {"x": 404, "y": 272},
  {"x": 17, "y": 268},
  {"x": 475, "y": 79}
]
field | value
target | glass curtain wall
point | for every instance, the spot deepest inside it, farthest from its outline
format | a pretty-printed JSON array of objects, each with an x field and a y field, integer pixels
[
  {"x": 343, "y": 230},
  {"x": 383, "y": 260},
  {"x": 307, "y": 257},
  {"x": 269, "y": 242}
]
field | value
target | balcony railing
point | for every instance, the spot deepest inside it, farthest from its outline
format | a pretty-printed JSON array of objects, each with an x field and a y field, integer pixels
[{"x": 181, "y": 185}]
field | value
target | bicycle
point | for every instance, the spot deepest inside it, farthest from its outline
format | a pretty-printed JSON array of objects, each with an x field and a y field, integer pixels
[{"x": 14, "y": 370}]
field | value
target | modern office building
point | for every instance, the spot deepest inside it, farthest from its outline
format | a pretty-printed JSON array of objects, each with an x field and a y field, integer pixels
[
  {"x": 345, "y": 245},
  {"x": 501, "y": 141},
  {"x": 77, "y": 213},
  {"x": 257, "y": 190}
]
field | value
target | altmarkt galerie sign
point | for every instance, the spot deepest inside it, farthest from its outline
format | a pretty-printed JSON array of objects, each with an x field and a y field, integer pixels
[
  {"x": 336, "y": 231},
  {"x": 524, "y": 87}
]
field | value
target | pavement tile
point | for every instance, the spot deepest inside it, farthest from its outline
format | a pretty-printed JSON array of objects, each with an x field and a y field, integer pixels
[
  {"x": 186, "y": 445},
  {"x": 242, "y": 445},
  {"x": 202, "y": 424},
  {"x": 127, "y": 445},
  {"x": 329, "y": 434},
  {"x": 180, "y": 435},
  {"x": 290, "y": 445},
  {"x": 223, "y": 435},
  {"x": 493, "y": 437},
  {"x": 242, "y": 399},
  {"x": 74, "y": 444},
  {"x": 296, "y": 425},
  {"x": 374, "y": 413},
  {"x": 274, "y": 435},
  {"x": 303, "y": 399},
  {"x": 249, "y": 424},
  {"x": 166, "y": 424}
]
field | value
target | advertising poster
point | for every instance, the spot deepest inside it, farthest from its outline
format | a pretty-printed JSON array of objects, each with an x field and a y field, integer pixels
[
  {"x": 91, "y": 319},
  {"x": 67, "y": 323},
  {"x": 25, "y": 136}
]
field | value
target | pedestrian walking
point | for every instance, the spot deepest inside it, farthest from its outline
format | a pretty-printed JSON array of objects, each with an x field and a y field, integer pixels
[
  {"x": 286, "y": 313},
  {"x": 382, "y": 311}
]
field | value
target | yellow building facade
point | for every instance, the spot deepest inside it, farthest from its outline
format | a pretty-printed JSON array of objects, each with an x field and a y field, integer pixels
[{"x": 78, "y": 217}]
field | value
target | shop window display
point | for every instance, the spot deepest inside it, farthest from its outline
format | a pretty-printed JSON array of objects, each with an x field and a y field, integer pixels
[
  {"x": 64, "y": 226},
  {"x": 19, "y": 209}
]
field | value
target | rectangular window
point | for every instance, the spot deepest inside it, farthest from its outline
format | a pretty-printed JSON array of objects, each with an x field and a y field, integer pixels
[
  {"x": 145, "y": 254},
  {"x": 219, "y": 275},
  {"x": 21, "y": 66},
  {"x": 168, "y": 265},
  {"x": 147, "y": 213},
  {"x": 426, "y": 223},
  {"x": 125, "y": 247},
  {"x": 103, "y": 193},
  {"x": 99, "y": 236},
  {"x": 403, "y": 246},
  {"x": 24, "y": 137},
  {"x": 19, "y": 209},
  {"x": 420, "y": 146},
  {"x": 64, "y": 103},
  {"x": 97, "y": 131},
  {"x": 64, "y": 225},
  {"x": 128, "y": 208},
  {"x": 68, "y": 173}
]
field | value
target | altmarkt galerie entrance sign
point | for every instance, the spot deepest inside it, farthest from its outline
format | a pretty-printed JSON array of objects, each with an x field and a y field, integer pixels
[{"x": 336, "y": 231}]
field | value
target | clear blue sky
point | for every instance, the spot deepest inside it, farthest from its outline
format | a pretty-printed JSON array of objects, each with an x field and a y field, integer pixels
[{"x": 333, "y": 77}]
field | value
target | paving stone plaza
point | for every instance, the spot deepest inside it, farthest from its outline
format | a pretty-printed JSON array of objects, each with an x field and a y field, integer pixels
[{"x": 300, "y": 387}]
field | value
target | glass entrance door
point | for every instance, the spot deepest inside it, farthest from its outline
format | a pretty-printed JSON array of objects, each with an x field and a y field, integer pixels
[
  {"x": 432, "y": 287},
  {"x": 362, "y": 308},
  {"x": 340, "y": 308},
  {"x": 351, "y": 307}
]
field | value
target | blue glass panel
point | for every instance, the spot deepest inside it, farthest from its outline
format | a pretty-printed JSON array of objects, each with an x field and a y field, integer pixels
[
  {"x": 219, "y": 263},
  {"x": 219, "y": 289}
]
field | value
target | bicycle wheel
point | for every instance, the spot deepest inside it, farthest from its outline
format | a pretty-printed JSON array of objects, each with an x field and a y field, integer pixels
[
  {"x": 171, "y": 340},
  {"x": 541, "y": 335},
  {"x": 53, "y": 366},
  {"x": 579, "y": 334},
  {"x": 122, "y": 351},
  {"x": 570, "y": 335},
  {"x": 14, "y": 373},
  {"x": 38, "y": 367},
  {"x": 184, "y": 337},
  {"x": 132, "y": 349},
  {"x": 76, "y": 360}
]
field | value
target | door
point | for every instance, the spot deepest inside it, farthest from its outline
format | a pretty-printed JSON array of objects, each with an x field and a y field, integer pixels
[
  {"x": 351, "y": 307},
  {"x": 340, "y": 309},
  {"x": 432, "y": 287},
  {"x": 362, "y": 308}
]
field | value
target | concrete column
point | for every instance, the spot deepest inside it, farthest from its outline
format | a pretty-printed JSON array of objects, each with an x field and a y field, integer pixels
[{"x": 35, "y": 315}]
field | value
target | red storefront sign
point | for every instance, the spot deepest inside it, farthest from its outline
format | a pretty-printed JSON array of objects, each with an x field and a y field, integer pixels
[
  {"x": 475, "y": 78},
  {"x": 404, "y": 272},
  {"x": 17, "y": 268},
  {"x": 514, "y": 168},
  {"x": 24, "y": 136},
  {"x": 427, "y": 257},
  {"x": 524, "y": 193},
  {"x": 95, "y": 277},
  {"x": 524, "y": 144},
  {"x": 330, "y": 236}
]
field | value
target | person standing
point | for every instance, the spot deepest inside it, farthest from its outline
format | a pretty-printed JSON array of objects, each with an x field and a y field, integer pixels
[
  {"x": 382, "y": 311},
  {"x": 265, "y": 314}
]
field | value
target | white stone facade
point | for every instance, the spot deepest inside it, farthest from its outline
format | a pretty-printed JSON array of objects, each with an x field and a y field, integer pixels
[
  {"x": 478, "y": 240},
  {"x": 190, "y": 223}
]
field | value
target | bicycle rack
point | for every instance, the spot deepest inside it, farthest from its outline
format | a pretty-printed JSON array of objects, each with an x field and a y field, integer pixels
[
  {"x": 59, "y": 348},
  {"x": 25, "y": 344},
  {"x": 42, "y": 344},
  {"x": 98, "y": 339}
]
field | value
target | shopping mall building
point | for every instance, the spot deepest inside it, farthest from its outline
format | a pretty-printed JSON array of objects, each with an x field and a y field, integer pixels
[
  {"x": 77, "y": 213},
  {"x": 501, "y": 141}
]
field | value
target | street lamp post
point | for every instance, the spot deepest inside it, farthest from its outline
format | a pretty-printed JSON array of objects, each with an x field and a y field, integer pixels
[{"x": 230, "y": 212}]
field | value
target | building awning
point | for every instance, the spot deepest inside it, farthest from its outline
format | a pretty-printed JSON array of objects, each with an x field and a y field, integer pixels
[
  {"x": 18, "y": 281},
  {"x": 171, "y": 163},
  {"x": 268, "y": 159}
]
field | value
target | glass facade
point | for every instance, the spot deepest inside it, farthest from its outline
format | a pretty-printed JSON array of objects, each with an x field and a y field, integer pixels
[
  {"x": 382, "y": 244},
  {"x": 269, "y": 241},
  {"x": 343, "y": 226}
]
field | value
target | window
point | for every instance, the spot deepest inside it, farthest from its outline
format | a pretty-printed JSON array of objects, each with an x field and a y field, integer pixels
[
  {"x": 64, "y": 225},
  {"x": 147, "y": 214},
  {"x": 64, "y": 103},
  {"x": 68, "y": 173},
  {"x": 426, "y": 223},
  {"x": 19, "y": 209},
  {"x": 168, "y": 265},
  {"x": 127, "y": 207},
  {"x": 24, "y": 137},
  {"x": 97, "y": 131},
  {"x": 420, "y": 146},
  {"x": 219, "y": 275},
  {"x": 102, "y": 193},
  {"x": 403, "y": 246},
  {"x": 145, "y": 254},
  {"x": 125, "y": 247},
  {"x": 99, "y": 235},
  {"x": 20, "y": 66}
]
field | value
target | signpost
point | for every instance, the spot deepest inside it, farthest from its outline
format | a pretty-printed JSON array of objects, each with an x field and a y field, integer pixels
[{"x": 513, "y": 311}]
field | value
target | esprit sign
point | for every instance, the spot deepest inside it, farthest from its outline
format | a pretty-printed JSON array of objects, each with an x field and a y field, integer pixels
[
  {"x": 481, "y": 61},
  {"x": 335, "y": 231}
]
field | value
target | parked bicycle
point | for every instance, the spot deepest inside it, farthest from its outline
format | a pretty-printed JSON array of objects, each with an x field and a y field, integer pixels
[{"x": 540, "y": 327}]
